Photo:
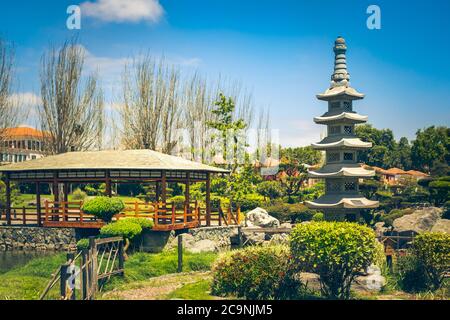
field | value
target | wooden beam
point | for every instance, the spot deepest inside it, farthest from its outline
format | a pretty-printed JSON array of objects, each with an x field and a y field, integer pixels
[
  {"x": 187, "y": 197},
  {"x": 164, "y": 187},
  {"x": 108, "y": 184},
  {"x": 208, "y": 199},
  {"x": 8, "y": 199},
  {"x": 38, "y": 203}
]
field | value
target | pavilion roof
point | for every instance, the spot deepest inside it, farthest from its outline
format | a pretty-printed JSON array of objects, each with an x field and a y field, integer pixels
[{"x": 111, "y": 159}]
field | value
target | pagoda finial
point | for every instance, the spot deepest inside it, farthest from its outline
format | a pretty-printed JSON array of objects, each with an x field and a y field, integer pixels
[{"x": 340, "y": 77}]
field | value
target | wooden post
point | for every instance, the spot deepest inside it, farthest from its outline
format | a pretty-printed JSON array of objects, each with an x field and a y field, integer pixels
[
  {"x": 63, "y": 285},
  {"x": 164, "y": 188},
  {"x": 108, "y": 189},
  {"x": 38, "y": 204},
  {"x": 8, "y": 199},
  {"x": 157, "y": 195},
  {"x": 173, "y": 213},
  {"x": 180, "y": 253},
  {"x": 238, "y": 213},
  {"x": 187, "y": 200},
  {"x": 121, "y": 257},
  {"x": 208, "y": 199},
  {"x": 24, "y": 216},
  {"x": 94, "y": 275},
  {"x": 240, "y": 236},
  {"x": 84, "y": 274}
]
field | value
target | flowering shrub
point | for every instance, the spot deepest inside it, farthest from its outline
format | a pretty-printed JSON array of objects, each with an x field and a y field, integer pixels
[{"x": 336, "y": 251}]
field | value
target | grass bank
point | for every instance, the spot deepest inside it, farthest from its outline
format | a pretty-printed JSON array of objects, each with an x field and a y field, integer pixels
[{"x": 28, "y": 281}]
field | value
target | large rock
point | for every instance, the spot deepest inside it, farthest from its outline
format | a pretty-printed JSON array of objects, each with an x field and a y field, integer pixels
[
  {"x": 373, "y": 281},
  {"x": 260, "y": 218},
  {"x": 442, "y": 225},
  {"x": 203, "y": 246},
  {"x": 253, "y": 238},
  {"x": 421, "y": 220}
]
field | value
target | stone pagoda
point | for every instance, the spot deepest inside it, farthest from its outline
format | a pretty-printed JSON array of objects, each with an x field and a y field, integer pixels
[{"x": 342, "y": 171}]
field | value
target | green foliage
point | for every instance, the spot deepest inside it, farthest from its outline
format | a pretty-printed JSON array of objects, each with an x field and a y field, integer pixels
[
  {"x": 336, "y": 251},
  {"x": 250, "y": 202},
  {"x": 143, "y": 222},
  {"x": 79, "y": 195},
  {"x": 432, "y": 144},
  {"x": 440, "y": 191},
  {"x": 122, "y": 228},
  {"x": 303, "y": 155},
  {"x": 389, "y": 218},
  {"x": 379, "y": 257},
  {"x": 219, "y": 185},
  {"x": 411, "y": 275},
  {"x": 253, "y": 273},
  {"x": 433, "y": 252},
  {"x": 83, "y": 244},
  {"x": 179, "y": 201},
  {"x": 103, "y": 207},
  {"x": 314, "y": 192},
  {"x": 95, "y": 189},
  {"x": 294, "y": 174},
  {"x": 318, "y": 217},
  {"x": 291, "y": 212},
  {"x": 270, "y": 189}
]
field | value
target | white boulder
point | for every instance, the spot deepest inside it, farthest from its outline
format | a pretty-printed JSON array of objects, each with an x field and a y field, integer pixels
[{"x": 260, "y": 218}]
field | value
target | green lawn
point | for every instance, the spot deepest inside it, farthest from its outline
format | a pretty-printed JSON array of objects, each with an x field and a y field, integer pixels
[{"x": 28, "y": 281}]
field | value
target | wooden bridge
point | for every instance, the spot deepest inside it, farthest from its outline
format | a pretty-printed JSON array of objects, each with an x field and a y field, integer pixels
[{"x": 165, "y": 216}]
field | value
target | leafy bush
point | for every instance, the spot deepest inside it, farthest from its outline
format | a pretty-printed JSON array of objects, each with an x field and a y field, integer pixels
[
  {"x": 291, "y": 212},
  {"x": 446, "y": 213},
  {"x": 336, "y": 251},
  {"x": 270, "y": 189},
  {"x": 250, "y": 201},
  {"x": 410, "y": 274},
  {"x": 83, "y": 244},
  {"x": 178, "y": 201},
  {"x": 123, "y": 228},
  {"x": 253, "y": 273},
  {"x": 103, "y": 207},
  {"x": 144, "y": 223},
  {"x": 379, "y": 257},
  {"x": 79, "y": 194},
  {"x": 432, "y": 249},
  {"x": 318, "y": 217}
]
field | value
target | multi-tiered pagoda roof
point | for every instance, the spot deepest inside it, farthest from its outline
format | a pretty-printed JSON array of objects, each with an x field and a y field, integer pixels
[{"x": 341, "y": 171}]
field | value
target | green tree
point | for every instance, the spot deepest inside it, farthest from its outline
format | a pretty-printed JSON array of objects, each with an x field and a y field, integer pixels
[
  {"x": 228, "y": 126},
  {"x": 270, "y": 189},
  {"x": 303, "y": 155},
  {"x": 384, "y": 145},
  {"x": 293, "y": 174},
  {"x": 432, "y": 144}
]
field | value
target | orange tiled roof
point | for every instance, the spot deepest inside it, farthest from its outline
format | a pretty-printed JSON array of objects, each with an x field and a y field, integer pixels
[
  {"x": 22, "y": 132},
  {"x": 396, "y": 171},
  {"x": 417, "y": 173}
]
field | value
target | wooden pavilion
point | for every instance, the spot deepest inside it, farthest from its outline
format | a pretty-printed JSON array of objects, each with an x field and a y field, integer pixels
[{"x": 109, "y": 167}]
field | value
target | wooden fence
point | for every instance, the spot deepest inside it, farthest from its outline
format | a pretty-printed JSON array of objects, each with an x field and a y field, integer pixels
[
  {"x": 89, "y": 270},
  {"x": 166, "y": 216}
]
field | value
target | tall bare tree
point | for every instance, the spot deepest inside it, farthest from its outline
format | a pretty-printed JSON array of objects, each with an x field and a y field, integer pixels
[
  {"x": 10, "y": 113},
  {"x": 72, "y": 104}
]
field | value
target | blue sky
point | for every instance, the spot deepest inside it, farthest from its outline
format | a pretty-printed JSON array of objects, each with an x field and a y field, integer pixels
[{"x": 280, "y": 50}]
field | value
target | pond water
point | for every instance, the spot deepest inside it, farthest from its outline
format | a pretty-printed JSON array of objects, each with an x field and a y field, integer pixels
[{"x": 12, "y": 259}]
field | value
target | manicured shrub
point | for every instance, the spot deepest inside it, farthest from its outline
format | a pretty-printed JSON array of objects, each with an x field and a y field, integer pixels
[
  {"x": 291, "y": 212},
  {"x": 178, "y": 201},
  {"x": 432, "y": 249},
  {"x": 336, "y": 251},
  {"x": 122, "y": 228},
  {"x": 250, "y": 202},
  {"x": 103, "y": 207},
  {"x": 411, "y": 275},
  {"x": 318, "y": 217},
  {"x": 144, "y": 223},
  {"x": 253, "y": 273},
  {"x": 79, "y": 195}
]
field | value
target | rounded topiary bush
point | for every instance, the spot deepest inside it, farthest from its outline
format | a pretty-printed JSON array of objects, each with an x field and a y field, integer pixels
[
  {"x": 103, "y": 207},
  {"x": 143, "y": 222},
  {"x": 318, "y": 217},
  {"x": 123, "y": 228},
  {"x": 336, "y": 251},
  {"x": 254, "y": 273}
]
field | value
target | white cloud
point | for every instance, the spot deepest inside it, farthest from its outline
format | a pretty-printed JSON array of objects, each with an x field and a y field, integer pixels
[
  {"x": 25, "y": 99},
  {"x": 123, "y": 10}
]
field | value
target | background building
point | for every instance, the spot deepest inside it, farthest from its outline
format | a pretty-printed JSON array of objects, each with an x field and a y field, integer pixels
[{"x": 21, "y": 144}]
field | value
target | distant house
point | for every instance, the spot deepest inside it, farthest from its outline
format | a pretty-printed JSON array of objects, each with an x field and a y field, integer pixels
[
  {"x": 21, "y": 144},
  {"x": 394, "y": 176}
]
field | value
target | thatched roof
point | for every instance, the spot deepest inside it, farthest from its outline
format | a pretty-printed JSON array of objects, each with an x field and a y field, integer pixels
[{"x": 111, "y": 159}]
